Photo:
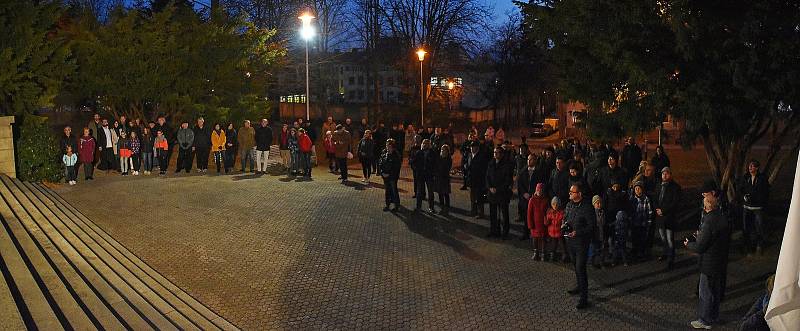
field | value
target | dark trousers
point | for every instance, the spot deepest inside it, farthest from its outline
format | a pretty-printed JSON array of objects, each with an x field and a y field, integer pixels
[
  {"x": 305, "y": 158},
  {"x": 753, "y": 227},
  {"x": 578, "y": 252},
  {"x": 392, "y": 194},
  {"x": 341, "y": 163},
  {"x": 639, "y": 240},
  {"x": 184, "y": 160},
  {"x": 163, "y": 159},
  {"x": 201, "y": 155},
  {"x": 366, "y": 167},
  {"x": 710, "y": 291},
  {"x": 88, "y": 170},
  {"x": 424, "y": 187},
  {"x": 444, "y": 200},
  {"x": 230, "y": 157},
  {"x": 476, "y": 201},
  {"x": 648, "y": 243},
  {"x": 106, "y": 159},
  {"x": 70, "y": 173},
  {"x": 494, "y": 222},
  {"x": 137, "y": 161}
]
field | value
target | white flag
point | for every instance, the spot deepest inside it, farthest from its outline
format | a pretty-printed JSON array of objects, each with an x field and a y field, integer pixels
[{"x": 783, "y": 312}]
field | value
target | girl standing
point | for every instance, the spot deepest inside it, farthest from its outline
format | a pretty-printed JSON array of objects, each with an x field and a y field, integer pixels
[
  {"x": 230, "y": 147},
  {"x": 161, "y": 149},
  {"x": 366, "y": 154},
  {"x": 537, "y": 211},
  {"x": 147, "y": 142},
  {"x": 294, "y": 151},
  {"x": 136, "y": 149},
  {"x": 69, "y": 159},
  {"x": 553, "y": 220},
  {"x": 123, "y": 145}
]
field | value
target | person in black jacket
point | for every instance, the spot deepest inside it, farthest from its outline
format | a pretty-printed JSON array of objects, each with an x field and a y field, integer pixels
[
  {"x": 666, "y": 204},
  {"x": 631, "y": 156},
  {"x": 660, "y": 160},
  {"x": 613, "y": 172},
  {"x": 499, "y": 179},
  {"x": 68, "y": 140},
  {"x": 712, "y": 245},
  {"x": 558, "y": 184},
  {"x": 754, "y": 192},
  {"x": 579, "y": 227},
  {"x": 424, "y": 166},
  {"x": 442, "y": 178},
  {"x": 230, "y": 147},
  {"x": 389, "y": 164},
  {"x": 263, "y": 142},
  {"x": 477, "y": 162},
  {"x": 202, "y": 145},
  {"x": 366, "y": 154}
]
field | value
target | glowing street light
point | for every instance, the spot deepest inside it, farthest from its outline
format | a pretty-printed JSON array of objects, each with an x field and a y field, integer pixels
[
  {"x": 307, "y": 32},
  {"x": 421, "y": 56}
]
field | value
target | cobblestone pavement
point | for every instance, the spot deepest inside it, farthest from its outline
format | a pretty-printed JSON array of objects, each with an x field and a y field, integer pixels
[{"x": 267, "y": 252}]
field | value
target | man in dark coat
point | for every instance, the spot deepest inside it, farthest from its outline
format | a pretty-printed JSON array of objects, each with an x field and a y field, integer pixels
[
  {"x": 666, "y": 205},
  {"x": 631, "y": 156},
  {"x": 68, "y": 140},
  {"x": 499, "y": 179},
  {"x": 558, "y": 183},
  {"x": 389, "y": 164},
  {"x": 613, "y": 172},
  {"x": 202, "y": 145},
  {"x": 424, "y": 166},
  {"x": 465, "y": 151},
  {"x": 527, "y": 178},
  {"x": 185, "y": 140},
  {"x": 579, "y": 220},
  {"x": 754, "y": 193},
  {"x": 712, "y": 245},
  {"x": 263, "y": 135},
  {"x": 477, "y": 162}
]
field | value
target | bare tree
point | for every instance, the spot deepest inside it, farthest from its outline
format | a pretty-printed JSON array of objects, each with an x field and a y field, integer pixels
[{"x": 271, "y": 14}]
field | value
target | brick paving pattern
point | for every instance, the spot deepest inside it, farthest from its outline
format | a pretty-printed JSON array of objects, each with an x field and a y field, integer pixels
[{"x": 267, "y": 252}]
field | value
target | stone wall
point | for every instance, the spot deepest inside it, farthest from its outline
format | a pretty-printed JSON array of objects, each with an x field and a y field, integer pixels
[{"x": 7, "y": 146}]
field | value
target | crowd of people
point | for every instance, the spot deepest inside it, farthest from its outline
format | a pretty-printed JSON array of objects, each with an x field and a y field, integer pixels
[{"x": 578, "y": 202}]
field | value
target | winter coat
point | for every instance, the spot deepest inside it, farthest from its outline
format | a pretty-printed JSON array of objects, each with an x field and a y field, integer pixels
[
  {"x": 659, "y": 162},
  {"x": 231, "y": 136},
  {"x": 713, "y": 241},
  {"x": 423, "y": 163},
  {"x": 366, "y": 149},
  {"x": 600, "y": 218},
  {"x": 263, "y": 137},
  {"x": 642, "y": 211},
  {"x": 342, "y": 143},
  {"x": 147, "y": 143},
  {"x": 442, "y": 176},
  {"x": 328, "y": 126},
  {"x": 558, "y": 184},
  {"x": 283, "y": 144},
  {"x": 93, "y": 129},
  {"x": 753, "y": 194},
  {"x": 185, "y": 138},
  {"x": 135, "y": 145},
  {"x": 160, "y": 145},
  {"x": 389, "y": 164},
  {"x": 553, "y": 222},
  {"x": 124, "y": 147},
  {"x": 68, "y": 141},
  {"x": 526, "y": 182},
  {"x": 304, "y": 143},
  {"x": 609, "y": 176},
  {"x": 500, "y": 176},
  {"x": 218, "y": 140},
  {"x": 202, "y": 137},
  {"x": 537, "y": 211},
  {"x": 668, "y": 196},
  {"x": 86, "y": 148},
  {"x": 69, "y": 160},
  {"x": 616, "y": 201},
  {"x": 246, "y": 138},
  {"x": 581, "y": 219},
  {"x": 292, "y": 144},
  {"x": 631, "y": 157},
  {"x": 475, "y": 170}
]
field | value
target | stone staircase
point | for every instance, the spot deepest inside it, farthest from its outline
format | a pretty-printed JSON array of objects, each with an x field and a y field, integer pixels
[{"x": 60, "y": 271}]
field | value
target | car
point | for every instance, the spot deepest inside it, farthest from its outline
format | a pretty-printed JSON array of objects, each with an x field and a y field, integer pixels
[{"x": 541, "y": 130}]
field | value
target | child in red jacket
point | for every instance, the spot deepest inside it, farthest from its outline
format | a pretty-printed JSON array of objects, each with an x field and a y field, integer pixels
[
  {"x": 537, "y": 209},
  {"x": 555, "y": 216},
  {"x": 306, "y": 146}
]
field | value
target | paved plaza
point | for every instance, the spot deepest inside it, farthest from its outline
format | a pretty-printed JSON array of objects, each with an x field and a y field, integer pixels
[{"x": 267, "y": 252}]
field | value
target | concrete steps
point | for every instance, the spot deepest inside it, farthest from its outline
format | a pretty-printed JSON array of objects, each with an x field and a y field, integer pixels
[{"x": 61, "y": 271}]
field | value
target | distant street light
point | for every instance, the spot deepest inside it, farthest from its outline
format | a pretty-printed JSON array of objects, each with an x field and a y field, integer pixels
[
  {"x": 421, "y": 55},
  {"x": 307, "y": 32}
]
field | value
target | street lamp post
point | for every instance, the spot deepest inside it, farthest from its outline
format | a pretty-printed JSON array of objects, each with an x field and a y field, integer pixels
[
  {"x": 307, "y": 32},
  {"x": 421, "y": 55}
]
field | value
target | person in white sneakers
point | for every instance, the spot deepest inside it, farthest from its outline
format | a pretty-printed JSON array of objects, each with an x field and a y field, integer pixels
[{"x": 70, "y": 159}]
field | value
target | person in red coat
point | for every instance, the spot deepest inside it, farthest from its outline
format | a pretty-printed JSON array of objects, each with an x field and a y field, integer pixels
[
  {"x": 86, "y": 148},
  {"x": 553, "y": 220},
  {"x": 306, "y": 145},
  {"x": 537, "y": 210}
]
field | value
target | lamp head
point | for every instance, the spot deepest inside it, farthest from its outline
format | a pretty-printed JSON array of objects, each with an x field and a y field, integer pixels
[
  {"x": 307, "y": 31},
  {"x": 421, "y": 54}
]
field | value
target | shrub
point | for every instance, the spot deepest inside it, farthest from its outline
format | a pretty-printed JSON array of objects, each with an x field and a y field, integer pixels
[{"x": 38, "y": 154}]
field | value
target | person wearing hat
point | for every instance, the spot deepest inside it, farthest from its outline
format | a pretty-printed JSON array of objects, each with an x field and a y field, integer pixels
[
  {"x": 641, "y": 220},
  {"x": 666, "y": 204},
  {"x": 598, "y": 246},
  {"x": 477, "y": 162},
  {"x": 711, "y": 245}
]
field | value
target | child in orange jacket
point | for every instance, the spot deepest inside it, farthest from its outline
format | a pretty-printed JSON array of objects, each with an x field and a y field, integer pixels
[{"x": 555, "y": 216}]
